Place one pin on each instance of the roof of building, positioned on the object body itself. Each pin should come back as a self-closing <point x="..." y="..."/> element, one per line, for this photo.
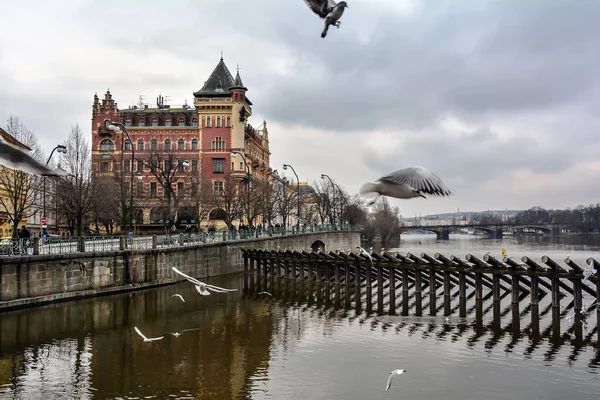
<point x="8" y="138"/>
<point x="220" y="82"/>
<point x="155" y="110"/>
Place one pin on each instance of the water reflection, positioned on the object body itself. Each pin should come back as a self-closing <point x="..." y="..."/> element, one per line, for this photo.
<point x="308" y="341"/>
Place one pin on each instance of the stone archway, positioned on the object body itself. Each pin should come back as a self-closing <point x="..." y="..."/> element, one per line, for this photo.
<point x="317" y="246"/>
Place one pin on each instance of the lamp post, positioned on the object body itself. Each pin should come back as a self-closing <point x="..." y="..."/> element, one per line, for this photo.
<point x="323" y="176"/>
<point x="61" y="149"/>
<point x="248" y="175"/>
<point x="115" y="127"/>
<point x="169" y="184"/>
<point x="285" y="167"/>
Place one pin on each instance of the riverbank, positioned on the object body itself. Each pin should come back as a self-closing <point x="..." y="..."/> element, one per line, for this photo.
<point x="43" y="279"/>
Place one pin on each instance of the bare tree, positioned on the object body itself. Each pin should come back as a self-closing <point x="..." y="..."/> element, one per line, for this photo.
<point x="202" y="197"/>
<point x="252" y="198"/>
<point x="384" y="221"/>
<point x="167" y="170"/>
<point x="106" y="208"/>
<point x="75" y="193"/>
<point x="229" y="200"/>
<point x="22" y="190"/>
<point x="268" y="190"/>
<point x="285" y="201"/>
<point x="323" y="199"/>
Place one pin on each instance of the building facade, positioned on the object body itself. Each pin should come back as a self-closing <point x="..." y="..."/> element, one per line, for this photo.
<point x="171" y="148"/>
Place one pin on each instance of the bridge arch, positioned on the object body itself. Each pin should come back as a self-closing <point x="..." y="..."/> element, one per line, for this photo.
<point x="317" y="245"/>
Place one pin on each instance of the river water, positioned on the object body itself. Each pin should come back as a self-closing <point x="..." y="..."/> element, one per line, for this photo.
<point x="294" y="346"/>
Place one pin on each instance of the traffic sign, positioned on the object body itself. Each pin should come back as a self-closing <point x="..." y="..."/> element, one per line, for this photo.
<point x="44" y="220"/>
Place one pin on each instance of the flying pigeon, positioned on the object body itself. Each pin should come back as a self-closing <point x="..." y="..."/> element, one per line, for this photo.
<point x="13" y="157"/>
<point x="328" y="10"/>
<point x="407" y="183"/>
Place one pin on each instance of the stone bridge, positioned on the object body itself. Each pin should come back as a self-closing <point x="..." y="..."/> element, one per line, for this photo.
<point x="493" y="230"/>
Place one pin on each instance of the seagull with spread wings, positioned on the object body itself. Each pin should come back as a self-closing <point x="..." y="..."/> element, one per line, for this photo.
<point x="328" y="10"/>
<point x="13" y="157"/>
<point x="407" y="183"/>
<point x="201" y="287"/>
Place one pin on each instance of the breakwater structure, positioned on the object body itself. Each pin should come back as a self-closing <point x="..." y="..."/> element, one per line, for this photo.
<point x="390" y="276"/>
<point x="107" y="265"/>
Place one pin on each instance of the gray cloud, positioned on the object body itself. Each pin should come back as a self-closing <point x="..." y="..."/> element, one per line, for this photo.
<point x="522" y="75"/>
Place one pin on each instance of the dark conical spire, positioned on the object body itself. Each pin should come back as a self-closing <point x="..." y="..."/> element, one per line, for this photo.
<point x="219" y="80"/>
<point x="237" y="83"/>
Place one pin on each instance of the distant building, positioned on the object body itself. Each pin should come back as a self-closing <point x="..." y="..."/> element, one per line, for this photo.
<point x="6" y="226"/>
<point x="195" y="140"/>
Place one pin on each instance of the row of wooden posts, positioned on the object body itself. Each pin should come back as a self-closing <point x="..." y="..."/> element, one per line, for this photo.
<point x="354" y="268"/>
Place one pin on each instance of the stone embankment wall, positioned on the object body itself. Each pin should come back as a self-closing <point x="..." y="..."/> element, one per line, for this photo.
<point x="34" y="280"/>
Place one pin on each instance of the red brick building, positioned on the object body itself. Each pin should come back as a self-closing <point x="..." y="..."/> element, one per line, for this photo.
<point x="203" y="135"/>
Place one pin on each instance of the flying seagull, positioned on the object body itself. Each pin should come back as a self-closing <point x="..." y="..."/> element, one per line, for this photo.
<point x="180" y="296"/>
<point x="202" y="287"/>
<point x="328" y="10"/>
<point x="589" y="270"/>
<point x="407" y="183"/>
<point x="394" y="372"/>
<point x="144" y="336"/>
<point x="13" y="157"/>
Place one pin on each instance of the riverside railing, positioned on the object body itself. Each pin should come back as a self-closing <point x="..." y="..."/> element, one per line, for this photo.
<point x="75" y="244"/>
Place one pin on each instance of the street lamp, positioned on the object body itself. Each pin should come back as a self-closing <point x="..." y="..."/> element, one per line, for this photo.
<point x="61" y="149"/>
<point x="248" y="176"/>
<point x="323" y="176"/>
<point x="116" y="127"/>
<point x="285" y="167"/>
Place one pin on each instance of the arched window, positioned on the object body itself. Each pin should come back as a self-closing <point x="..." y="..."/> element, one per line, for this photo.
<point x="180" y="145"/>
<point x="218" y="122"/>
<point x="154" y="121"/>
<point x="140" y="144"/>
<point x="154" y="144"/>
<point x="181" y="122"/>
<point x="195" y="122"/>
<point x="107" y="145"/>
<point x="229" y="122"/>
<point x="167" y="144"/>
<point x="168" y="122"/>
<point x="208" y="124"/>
<point x="127" y="145"/>
<point x="194" y="144"/>
<point x="141" y="122"/>
<point x="128" y="122"/>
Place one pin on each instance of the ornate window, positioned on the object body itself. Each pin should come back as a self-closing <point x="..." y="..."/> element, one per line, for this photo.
<point x="107" y="145"/>
<point x="181" y="122"/>
<point x="154" y="122"/>
<point x="218" y="165"/>
<point x="128" y="122"/>
<point x="140" y="145"/>
<point x="141" y="122"/>
<point x="167" y="144"/>
<point x="218" y="143"/>
<point x="218" y="122"/>
<point x="195" y="122"/>
<point x="180" y="144"/>
<point x="208" y="122"/>
<point x="194" y="144"/>
<point x="127" y="145"/>
<point x="154" y="144"/>
<point x="168" y="122"/>
<point x="229" y="122"/>
<point x="218" y="187"/>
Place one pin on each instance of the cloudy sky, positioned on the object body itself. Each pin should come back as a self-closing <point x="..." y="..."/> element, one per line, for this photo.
<point x="499" y="98"/>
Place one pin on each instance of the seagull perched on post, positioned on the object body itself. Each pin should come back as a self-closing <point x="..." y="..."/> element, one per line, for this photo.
<point x="16" y="158"/>
<point x="407" y="183"/>
<point x="328" y="10"/>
